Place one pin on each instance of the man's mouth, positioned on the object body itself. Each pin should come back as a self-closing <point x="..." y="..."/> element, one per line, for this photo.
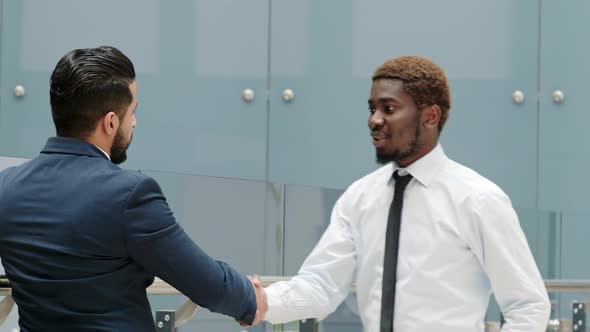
<point x="379" y="139"/>
<point x="377" y="136"/>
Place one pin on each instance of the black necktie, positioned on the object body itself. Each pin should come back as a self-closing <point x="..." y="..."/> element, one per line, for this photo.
<point x="391" y="250"/>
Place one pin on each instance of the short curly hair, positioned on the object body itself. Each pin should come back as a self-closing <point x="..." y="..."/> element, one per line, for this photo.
<point x="422" y="79"/>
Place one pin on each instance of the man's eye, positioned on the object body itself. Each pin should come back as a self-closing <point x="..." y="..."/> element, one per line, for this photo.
<point x="372" y="109"/>
<point x="389" y="109"/>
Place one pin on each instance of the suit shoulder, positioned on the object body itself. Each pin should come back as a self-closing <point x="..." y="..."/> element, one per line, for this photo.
<point x="6" y="172"/>
<point x="4" y="175"/>
<point x="132" y="178"/>
<point x="12" y="171"/>
<point x="135" y="180"/>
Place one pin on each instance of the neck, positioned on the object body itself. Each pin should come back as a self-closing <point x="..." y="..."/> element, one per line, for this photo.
<point x="100" y="142"/>
<point x="424" y="150"/>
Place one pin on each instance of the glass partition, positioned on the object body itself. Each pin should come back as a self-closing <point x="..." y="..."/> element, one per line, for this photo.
<point x="230" y="219"/>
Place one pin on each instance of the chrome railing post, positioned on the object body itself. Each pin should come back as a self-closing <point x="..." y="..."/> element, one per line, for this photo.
<point x="287" y="327"/>
<point x="578" y="316"/>
<point x="165" y="321"/>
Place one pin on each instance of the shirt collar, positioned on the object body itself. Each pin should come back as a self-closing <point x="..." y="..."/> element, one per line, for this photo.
<point x="101" y="150"/>
<point x="425" y="168"/>
<point x="69" y="145"/>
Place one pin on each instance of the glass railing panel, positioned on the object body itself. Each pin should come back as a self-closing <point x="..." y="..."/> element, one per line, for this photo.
<point x="227" y="218"/>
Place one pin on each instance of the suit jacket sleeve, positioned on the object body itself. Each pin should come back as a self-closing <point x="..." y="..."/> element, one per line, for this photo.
<point x="157" y="242"/>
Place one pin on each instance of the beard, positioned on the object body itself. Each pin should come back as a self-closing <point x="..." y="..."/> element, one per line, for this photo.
<point x="415" y="145"/>
<point x="119" y="148"/>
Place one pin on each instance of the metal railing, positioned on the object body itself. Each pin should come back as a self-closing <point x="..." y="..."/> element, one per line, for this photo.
<point x="170" y="320"/>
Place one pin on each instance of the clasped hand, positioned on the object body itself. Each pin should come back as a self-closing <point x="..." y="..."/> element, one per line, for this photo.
<point x="261" y="301"/>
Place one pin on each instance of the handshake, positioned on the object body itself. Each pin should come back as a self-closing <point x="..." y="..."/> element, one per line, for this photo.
<point x="261" y="301"/>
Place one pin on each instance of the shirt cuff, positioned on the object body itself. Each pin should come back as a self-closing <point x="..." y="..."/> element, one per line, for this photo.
<point x="273" y="296"/>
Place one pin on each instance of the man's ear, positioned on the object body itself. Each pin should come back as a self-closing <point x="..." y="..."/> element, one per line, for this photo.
<point x="431" y="116"/>
<point x="110" y="123"/>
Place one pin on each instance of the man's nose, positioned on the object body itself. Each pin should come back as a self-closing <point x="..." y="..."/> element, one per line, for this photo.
<point x="375" y="120"/>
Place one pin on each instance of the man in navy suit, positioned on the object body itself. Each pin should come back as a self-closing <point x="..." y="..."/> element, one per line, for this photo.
<point x="81" y="238"/>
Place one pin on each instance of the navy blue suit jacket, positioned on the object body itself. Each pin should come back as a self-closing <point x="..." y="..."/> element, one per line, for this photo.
<point x="81" y="239"/>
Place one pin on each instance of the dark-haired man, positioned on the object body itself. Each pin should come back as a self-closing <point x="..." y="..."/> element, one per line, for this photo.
<point x="425" y="239"/>
<point x="81" y="238"/>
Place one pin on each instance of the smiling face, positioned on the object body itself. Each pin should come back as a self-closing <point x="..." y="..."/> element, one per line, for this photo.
<point x="395" y="123"/>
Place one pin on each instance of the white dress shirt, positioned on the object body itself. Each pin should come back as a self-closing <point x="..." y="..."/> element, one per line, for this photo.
<point x="106" y="154"/>
<point x="460" y="239"/>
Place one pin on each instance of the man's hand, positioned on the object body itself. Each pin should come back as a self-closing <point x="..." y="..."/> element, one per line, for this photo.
<point x="261" y="301"/>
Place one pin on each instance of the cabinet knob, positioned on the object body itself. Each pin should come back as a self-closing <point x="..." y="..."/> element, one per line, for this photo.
<point x="288" y="95"/>
<point x="248" y="95"/>
<point x="19" y="91"/>
<point x="558" y="96"/>
<point x="518" y="97"/>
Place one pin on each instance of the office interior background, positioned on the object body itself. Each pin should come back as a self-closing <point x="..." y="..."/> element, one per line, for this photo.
<point x="253" y="113"/>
